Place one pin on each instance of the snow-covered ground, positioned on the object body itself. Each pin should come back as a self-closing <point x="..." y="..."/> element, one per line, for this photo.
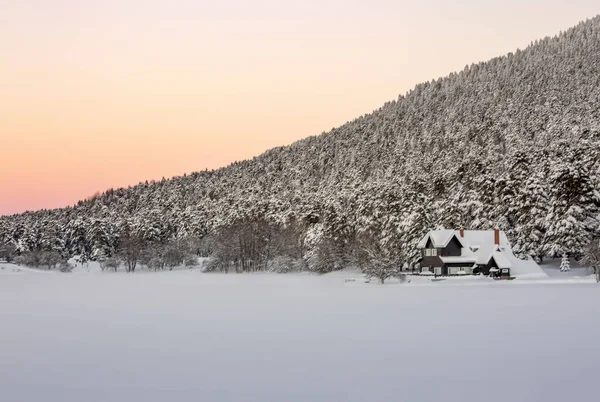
<point x="185" y="335"/>
<point x="552" y="268"/>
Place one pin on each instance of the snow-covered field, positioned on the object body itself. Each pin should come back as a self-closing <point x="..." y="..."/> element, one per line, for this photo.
<point x="189" y="336"/>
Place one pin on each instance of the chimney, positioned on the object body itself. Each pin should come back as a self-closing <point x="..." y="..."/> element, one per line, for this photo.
<point x="462" y="232"/>
<point x="497" y="237"/>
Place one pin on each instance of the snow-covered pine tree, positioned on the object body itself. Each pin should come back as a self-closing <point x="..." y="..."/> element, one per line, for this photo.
<point x="572" y="202"/>
<point x="565" y="265"/>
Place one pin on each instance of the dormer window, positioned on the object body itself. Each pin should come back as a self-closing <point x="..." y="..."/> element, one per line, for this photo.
<point x="431" y="252"/>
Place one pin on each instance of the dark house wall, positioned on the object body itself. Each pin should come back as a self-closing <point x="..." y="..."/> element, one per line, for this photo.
<point x="431" y="262"/>
<point x="493" y="264"/>
<point x="486" y="268"/>
<point x="453" y="248"/>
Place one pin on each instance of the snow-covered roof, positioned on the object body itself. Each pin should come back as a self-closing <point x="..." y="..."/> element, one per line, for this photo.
<point x="468" y="259"/>
<point x="502" y="259"/>
<point x="440" y="238"/>
<point x="478" y="246"/>
<point x="470" y="238"/>
<point x="526" y="268"/>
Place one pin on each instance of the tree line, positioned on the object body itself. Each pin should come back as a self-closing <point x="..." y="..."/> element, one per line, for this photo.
<point x="512" y="143"/>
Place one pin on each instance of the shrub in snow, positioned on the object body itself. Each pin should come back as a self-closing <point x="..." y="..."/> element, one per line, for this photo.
<point x="283" y="264"/>
<point x="35" y="259"/>
<point x="565" y="265"/>
<point x="173" y="256"/>
<point x="28" y="259"/>
<point x="50" y="259"/>
<point x="216" y="264"/>
<point x="110" y="263"/>
<point x="170" y="255"/>
<point x="191" y="261"/>
<point x="20" y="260"/>
<point x="65" y="267"/>
<point x="7" y="252"/>
<point x="156" y="263"/>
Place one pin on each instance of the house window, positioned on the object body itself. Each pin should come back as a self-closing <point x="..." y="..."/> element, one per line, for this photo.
<point x="431" y="252"/>
<point x="437" y="270"/>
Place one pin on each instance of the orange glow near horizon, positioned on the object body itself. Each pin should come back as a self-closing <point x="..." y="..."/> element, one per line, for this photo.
<point x="106" y="94"/>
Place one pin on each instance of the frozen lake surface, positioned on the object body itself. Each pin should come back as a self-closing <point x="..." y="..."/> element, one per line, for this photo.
<point x="188" y="336"/>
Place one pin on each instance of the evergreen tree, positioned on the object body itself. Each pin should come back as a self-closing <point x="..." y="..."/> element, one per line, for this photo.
<point x="565" y="265"/>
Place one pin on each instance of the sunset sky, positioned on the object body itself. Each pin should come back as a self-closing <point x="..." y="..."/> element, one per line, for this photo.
<point x="99" y="94"/>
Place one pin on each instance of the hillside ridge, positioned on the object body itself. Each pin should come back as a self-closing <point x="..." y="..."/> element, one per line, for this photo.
<point x="512" y="142"/>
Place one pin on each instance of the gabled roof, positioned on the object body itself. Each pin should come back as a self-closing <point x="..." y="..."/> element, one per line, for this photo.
<point x="471" y="238"/>
<point x="439" y="238"/>
<point x="502" y="259"/>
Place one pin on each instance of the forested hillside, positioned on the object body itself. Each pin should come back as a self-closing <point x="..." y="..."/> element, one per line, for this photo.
<point x="513" y="142"/>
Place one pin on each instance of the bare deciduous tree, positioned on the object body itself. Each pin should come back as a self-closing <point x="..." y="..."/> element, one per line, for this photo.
<point x="110" y="263"/>
<point x="591" y="256"/>
<point x="248" y="246"/>
<point x="130" y="249"/>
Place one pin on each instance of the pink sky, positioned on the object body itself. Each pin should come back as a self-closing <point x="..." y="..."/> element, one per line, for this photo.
<point x="99" y="94"/>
